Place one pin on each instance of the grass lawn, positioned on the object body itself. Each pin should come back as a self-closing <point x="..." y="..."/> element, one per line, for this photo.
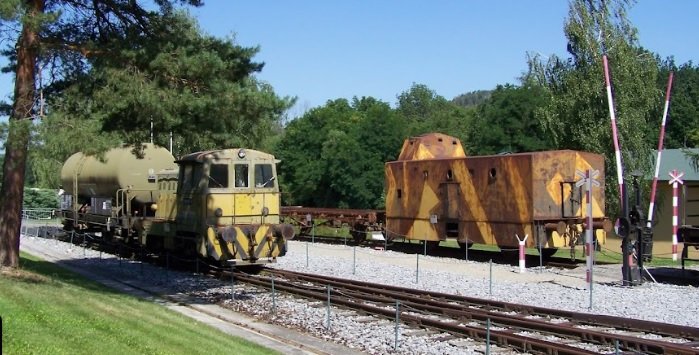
<point x="48" y="310"/>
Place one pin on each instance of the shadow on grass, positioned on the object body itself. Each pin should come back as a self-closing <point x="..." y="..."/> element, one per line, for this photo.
<point x="41" y="271"/>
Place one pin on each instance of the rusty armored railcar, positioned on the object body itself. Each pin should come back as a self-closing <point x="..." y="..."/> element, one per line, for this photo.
<point x="435" y="192"/>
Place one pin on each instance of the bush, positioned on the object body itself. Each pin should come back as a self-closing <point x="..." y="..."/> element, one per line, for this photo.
<point x="40" y="198"/>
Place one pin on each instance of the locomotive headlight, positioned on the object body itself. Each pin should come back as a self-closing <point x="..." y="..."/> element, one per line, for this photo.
<point x="241" y="153"/>
<point x="218" y="212"/>
<point x="154" y="207"/>
<point x="265" y="211"/>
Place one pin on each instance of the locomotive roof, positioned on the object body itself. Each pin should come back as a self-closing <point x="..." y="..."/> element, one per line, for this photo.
<point x="231" y="153"/>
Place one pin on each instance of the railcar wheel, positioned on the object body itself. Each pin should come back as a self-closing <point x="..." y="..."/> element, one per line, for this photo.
<point x="432" y="245"/>
<point x="358" y="233"/>
<point x="547" y="253"/>
<point x="463" y="245"/>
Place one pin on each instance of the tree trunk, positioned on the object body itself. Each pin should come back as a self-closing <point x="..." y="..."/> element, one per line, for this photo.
<point x="11" y="193"/>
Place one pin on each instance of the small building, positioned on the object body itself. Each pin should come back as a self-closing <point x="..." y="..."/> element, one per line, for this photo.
<point x="688" y="199"/>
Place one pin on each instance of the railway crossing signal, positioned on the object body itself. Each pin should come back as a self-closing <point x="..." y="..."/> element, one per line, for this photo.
<point x="675" y="181"/>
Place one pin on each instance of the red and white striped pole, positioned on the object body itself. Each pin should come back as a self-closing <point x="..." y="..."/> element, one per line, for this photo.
<point x="615" y="137"/>
<point x="588" y="179"/>
<point x="675" y="181"/>
<point x="522" y="266"/>
<point x="660" y="150"/>
<point x="589" y="254"/>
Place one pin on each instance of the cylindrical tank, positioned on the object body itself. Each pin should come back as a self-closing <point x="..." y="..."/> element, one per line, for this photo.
<point x="120" y="169"/>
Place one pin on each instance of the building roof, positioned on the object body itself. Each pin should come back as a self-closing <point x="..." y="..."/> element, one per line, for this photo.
<point x="672" y="159"/>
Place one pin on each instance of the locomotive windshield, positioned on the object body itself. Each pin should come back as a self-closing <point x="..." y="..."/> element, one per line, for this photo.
<point x="241" y="175"/>
<point x="218" y="176"/>
<point x="264" y="176"/>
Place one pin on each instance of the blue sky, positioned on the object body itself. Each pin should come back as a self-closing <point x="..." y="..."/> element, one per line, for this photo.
<point x="323" y="50"/>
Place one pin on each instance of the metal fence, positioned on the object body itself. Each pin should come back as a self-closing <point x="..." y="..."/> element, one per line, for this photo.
<point x="37" y="222"/>
<point x="37" y="214"/>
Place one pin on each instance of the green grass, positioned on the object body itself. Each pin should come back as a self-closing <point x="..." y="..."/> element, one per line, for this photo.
<point x="48" y="310"/>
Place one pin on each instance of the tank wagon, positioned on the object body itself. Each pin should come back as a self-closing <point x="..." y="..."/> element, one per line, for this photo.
<point x="435" y="192"/>
<point x="220" y="204"/>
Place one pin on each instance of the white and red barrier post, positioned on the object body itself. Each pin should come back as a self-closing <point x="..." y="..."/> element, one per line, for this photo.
<point x="660" y="150"/>
<point x="588" y="180"/>
<point x="615" y="136"/>
<point x="522" y="265"/>
<point x="675" y="182"/>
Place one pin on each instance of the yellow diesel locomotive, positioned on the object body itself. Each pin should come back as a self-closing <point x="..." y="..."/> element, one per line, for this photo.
<point x="221" y="204"/>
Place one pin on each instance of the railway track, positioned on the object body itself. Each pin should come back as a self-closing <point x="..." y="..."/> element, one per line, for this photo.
<point x="522" y="328"/>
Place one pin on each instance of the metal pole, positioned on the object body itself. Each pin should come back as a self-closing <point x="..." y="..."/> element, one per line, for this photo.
<point x="167" y="266"/>
<point x="306" y="254"/>
<point x="424" y="247"/>
<point x="328" y="323"/>
<point x="232" y="283"/>
<point x="395" y="346"/>
<point x="466" y="250"/>
<point x="617" y="150"/>
<point x="490" y="286"/>
<point x="588" y="232"/>
<point x="487" y="337"/>
<point x="313" y="232"/>
<point x="538" y="239"/>
<point x="354" y="260"/>
<point x="417" y="268"/>
<point x="654" y="185"/>
<point x="274" y="297"/>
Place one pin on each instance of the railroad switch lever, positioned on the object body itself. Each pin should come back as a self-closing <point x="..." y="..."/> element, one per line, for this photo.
<point x="632" y="231"/>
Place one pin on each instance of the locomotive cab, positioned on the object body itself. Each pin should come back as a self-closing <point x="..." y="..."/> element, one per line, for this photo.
<point x="226" y="205"/>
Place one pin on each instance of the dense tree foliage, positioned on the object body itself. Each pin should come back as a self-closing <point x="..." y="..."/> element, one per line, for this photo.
<point x="40" y="198"/>
<point x="682" y="126"/>
<point x="507" y="122"/>
<point x="577" y="116"/>
<point x="333" y="155"/>
<point x="54" y="37"/>
<point x="198" y="87"/>
<point x="472" y="98"/>
<point x="423" y="111"/>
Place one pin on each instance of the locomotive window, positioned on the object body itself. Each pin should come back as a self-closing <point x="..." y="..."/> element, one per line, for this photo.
<point x="197" y="174"/>
<point x="186" y="177"/>
<point x="218" y="176"/>
<point x="400" y="193"/>
<point x="241" y="175"/>
<point x="263" y="175"/>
